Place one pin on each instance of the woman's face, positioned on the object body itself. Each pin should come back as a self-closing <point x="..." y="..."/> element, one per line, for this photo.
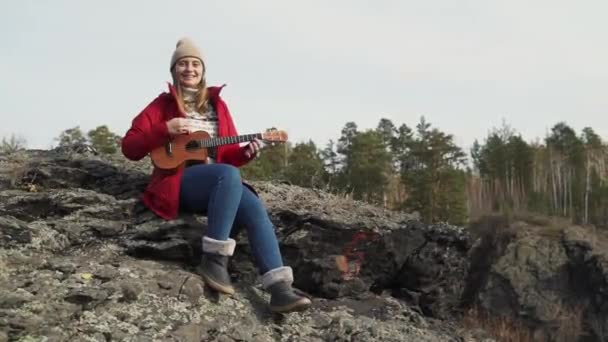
<point x="189" y="72"/>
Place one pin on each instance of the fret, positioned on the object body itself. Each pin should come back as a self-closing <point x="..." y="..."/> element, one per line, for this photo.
<point x="218" y="141"/>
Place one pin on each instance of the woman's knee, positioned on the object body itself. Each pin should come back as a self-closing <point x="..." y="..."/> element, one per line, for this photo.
<point x="229" y="174"/>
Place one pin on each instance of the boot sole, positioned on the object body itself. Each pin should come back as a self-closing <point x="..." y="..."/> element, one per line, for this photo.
<point x="219" y="287"/>
<point x="299" y="305"/>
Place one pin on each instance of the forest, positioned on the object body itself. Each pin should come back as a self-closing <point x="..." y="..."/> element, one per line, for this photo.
<point x="420" y="169"/>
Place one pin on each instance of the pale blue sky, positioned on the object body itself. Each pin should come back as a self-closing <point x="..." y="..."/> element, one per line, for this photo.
<point x="310" y="66"/>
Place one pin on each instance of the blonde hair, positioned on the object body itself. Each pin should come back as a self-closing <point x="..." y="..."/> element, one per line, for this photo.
<point x="201" y="103"/>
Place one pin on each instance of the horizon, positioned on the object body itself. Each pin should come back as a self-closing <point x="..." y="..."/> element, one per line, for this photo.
<point x="481" y="140"/>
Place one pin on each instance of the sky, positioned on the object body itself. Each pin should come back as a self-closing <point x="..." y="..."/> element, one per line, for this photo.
<point x="308" y="67"/>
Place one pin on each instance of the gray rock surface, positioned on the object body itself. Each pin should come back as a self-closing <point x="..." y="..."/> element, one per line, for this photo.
<point x="551" y="276"/>
<point x="82" y="260"/>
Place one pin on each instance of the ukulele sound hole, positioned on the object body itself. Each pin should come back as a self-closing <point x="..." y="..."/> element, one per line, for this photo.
<point x="192" y="145"/>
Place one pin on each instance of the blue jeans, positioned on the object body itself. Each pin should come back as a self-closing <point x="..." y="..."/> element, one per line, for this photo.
<point x="217" y="191"/>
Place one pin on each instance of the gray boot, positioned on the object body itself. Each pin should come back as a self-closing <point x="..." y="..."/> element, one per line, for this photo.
<point x="214" y="264"/>
<point x="283" y="297"/>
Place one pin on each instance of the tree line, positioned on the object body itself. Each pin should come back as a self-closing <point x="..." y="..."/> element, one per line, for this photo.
<point x="421" y="169"/>
<point x="415" y="169"/>
<point x="563" y="175"/>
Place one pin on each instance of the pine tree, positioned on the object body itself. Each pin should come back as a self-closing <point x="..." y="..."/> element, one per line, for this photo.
<point x="305" y="166"/>
<point x="367" y="166"/>
<point x="432" y="176"/>
<point x="270" y="165"/>
<point x="71" y="137"/>
<point x="344" y="149"/>
<point x="103" y="140"/>
<point x="331" y="164"/>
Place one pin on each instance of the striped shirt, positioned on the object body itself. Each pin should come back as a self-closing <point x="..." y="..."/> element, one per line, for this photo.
<point x="196" y="121"/>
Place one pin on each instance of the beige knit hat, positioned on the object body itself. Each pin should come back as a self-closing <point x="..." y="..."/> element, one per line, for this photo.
<point x="185" y="48"/>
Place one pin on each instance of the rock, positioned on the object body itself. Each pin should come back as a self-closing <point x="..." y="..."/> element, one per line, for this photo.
<point x="88" y="297"/>
<point x="192" y="288"/>
<point x="130" y="292"/>
<point x="374" y="274"/>
<point x="191" y="332"/>
<point x="336" y="260"/>
<point x="106" y="273"/>
<point x="13" y="232"/>
<point x="14" y="299"/>
<point x="62" y="265"/>
<point x="165" y="285"/>
<point x="546" y="278"/>
<point x="23" y="322"/>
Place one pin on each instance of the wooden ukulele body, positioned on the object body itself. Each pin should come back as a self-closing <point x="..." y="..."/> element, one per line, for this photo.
<point x="193" y="146"/>
<point x="174" y="153"/>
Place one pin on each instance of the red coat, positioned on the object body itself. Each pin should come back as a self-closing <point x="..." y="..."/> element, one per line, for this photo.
<point x="149" y="130"/>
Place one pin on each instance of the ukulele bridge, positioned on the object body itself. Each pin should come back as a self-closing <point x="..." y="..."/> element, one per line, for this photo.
<point x="169" y="148"/>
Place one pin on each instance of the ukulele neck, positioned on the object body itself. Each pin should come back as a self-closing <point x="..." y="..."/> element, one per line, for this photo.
<point x="219" y="141"/>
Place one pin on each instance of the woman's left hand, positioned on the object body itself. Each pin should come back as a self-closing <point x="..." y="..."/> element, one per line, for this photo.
<point x="253" y="149"/>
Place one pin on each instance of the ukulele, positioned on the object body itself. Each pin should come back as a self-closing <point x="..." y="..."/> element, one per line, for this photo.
<point x="193" y="146"/>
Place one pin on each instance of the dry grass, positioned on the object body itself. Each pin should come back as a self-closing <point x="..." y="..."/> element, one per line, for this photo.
<point x="569" y="320"/>
<point x="14" y="167"/>
<point x="597" y="324"/>
<point x="567" y="326"/>
<point x="503" y="329"/>
<point x="542" y="225"/>
<point x="531" y="218"/>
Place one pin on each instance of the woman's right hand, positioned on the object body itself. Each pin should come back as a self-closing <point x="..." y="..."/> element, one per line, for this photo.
<point x="177" y="126"/>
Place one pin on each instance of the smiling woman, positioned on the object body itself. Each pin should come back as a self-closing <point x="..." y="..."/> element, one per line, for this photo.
<point x="189" y="71"/>
<point x="213" y="187"/>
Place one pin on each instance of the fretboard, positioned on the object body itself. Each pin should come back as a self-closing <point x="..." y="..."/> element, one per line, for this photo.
<point x="214" y="142"/>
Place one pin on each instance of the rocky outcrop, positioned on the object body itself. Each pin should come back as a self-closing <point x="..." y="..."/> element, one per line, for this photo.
<point x="550" y="275"/>
<point x="82" y="259"/>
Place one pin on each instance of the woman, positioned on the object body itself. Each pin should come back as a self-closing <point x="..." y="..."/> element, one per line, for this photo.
<point x="214" y="188"/>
